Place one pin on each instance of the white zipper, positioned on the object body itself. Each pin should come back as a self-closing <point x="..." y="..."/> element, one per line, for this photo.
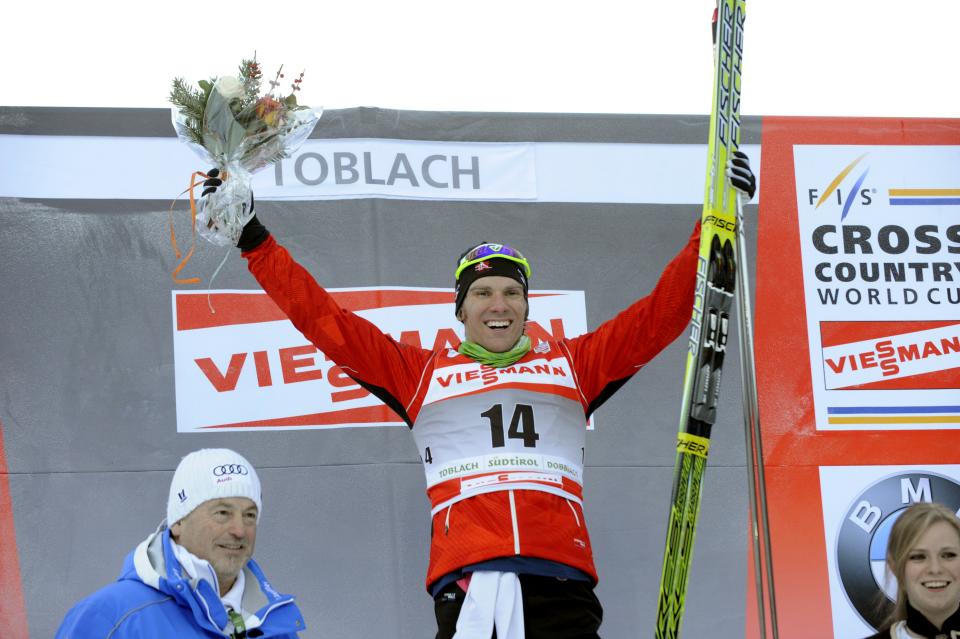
<point x="516" y="529"/>
<point x="574" y="511"/>
<point x="446" y="523"/>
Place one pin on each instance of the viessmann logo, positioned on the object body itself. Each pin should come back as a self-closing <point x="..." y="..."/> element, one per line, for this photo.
<point x="247" y="367"/>
<point x="873" y="354"/>
<point x="862" y="541"/>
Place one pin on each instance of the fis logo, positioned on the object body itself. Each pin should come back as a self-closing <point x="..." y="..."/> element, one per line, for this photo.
<point x="862" y="541"/>
<point x="846" y="199"/>
<point x="845" y="191"/>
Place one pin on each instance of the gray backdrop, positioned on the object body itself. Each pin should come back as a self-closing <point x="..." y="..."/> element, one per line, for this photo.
<point x="87" y="389"/>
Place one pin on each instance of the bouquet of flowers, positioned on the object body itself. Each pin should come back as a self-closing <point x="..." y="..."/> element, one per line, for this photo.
<point x="234" y="127"/>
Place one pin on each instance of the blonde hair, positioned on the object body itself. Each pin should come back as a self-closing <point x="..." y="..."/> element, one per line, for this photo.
<point x="910" y="525"/>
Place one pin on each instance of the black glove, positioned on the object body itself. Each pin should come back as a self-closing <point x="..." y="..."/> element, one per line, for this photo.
<point x="212" y="182"/>
<point x="741" y="177"/>
<point x="254" y="233"/>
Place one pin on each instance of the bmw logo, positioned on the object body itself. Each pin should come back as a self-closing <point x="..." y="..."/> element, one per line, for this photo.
<point x="862" y="540"/>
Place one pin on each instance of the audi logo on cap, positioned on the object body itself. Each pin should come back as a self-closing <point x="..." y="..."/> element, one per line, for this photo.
<point x="229" y="469"/>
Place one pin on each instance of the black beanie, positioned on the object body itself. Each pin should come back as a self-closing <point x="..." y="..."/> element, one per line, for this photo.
<point x="491" y="266"/>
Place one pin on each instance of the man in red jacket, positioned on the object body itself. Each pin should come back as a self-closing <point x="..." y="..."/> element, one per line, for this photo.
<point x="499" y="424"/>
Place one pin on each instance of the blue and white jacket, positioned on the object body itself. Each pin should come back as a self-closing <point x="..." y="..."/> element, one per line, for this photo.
<point x="154" y="598"/>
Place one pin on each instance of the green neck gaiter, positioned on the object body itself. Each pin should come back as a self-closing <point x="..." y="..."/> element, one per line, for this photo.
<point x="496" y="360"/>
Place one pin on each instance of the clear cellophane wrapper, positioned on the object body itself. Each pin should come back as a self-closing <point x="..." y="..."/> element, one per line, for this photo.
<point x="239" y="144"/>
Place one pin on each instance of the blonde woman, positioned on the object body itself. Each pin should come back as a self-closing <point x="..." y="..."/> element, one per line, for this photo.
<point x="923" y="554"/>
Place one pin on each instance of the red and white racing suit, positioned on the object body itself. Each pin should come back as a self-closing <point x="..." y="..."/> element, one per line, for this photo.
<point x="502" y="448"/>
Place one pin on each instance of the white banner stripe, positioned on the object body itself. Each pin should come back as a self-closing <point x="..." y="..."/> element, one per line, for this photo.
<point x="85" y="167"/>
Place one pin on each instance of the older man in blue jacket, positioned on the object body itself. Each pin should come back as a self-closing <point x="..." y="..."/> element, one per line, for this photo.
<point x="196" y="577"/>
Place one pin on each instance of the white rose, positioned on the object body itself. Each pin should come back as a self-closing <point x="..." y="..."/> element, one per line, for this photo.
<point x="229" y="87"/>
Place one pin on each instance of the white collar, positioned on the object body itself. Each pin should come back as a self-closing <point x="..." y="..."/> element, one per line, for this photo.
<point x="200" y="570"/>
<point x="234" y="597"/>
<point x="899" y="630"/>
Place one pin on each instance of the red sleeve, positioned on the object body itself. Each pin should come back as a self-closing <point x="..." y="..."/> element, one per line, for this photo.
<point x="622" y="345"/>
<point x="361" y="349"/>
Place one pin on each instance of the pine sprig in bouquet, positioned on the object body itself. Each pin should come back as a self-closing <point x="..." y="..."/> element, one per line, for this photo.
<point x="238" y="129"/>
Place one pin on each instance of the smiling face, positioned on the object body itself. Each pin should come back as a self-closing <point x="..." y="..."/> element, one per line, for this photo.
<point x="222" y="531"/>
<point x="932" y="573"/>
<point x="493" y="313"/>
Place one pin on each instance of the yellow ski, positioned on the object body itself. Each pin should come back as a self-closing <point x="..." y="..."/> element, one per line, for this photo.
<point x="716" y="276"/>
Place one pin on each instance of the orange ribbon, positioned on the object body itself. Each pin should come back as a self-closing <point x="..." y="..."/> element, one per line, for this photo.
<point x="196" y="179"/>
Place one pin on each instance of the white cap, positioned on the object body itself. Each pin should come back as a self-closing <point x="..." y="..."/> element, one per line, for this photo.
<point x="211" y="473"/>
